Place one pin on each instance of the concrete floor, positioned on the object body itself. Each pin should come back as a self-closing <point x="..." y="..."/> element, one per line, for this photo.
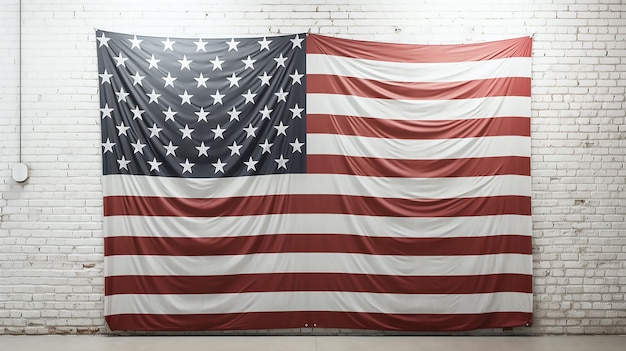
<point x="311" y="343"/>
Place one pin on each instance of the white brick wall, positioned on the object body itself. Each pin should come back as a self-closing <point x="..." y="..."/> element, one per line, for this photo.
<point x="50" y="227"/>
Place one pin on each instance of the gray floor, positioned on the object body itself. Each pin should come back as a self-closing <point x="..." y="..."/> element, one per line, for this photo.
<point x="311" y="343"/>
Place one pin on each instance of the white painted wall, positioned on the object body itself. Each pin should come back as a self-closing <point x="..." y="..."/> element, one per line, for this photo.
<point x="51" y="251"/>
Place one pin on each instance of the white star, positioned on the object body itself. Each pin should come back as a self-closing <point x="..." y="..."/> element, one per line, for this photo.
<point x="234" y="80"/>
<point x="250" y="131"/>
<point x="108" y="146"/>
<point x="169" y="80"/>
<point x="266" y="147"/>
<point x="251" y="164"/>
<point x="280" y="60"/>
<point x="249" y="97"/>
<point x="154" y="130"/>
<point x="135" y="42"/>
<point x="202" y="149"/>
<point x="249" y="63"/>
<point x="265" y="44"/>
<point x="120" y="60"/>
<point x="201" y="80"/>
<point x="282" y="95"/>
<point x="184" y="63"/>
<point x="154" y="164"/>
<point x="202" y="114"/>
<point x="171" y="149"/>
<point x="296" y="78"/>
<point x="168" y="44"/>
<point x="169" y="114"/>
<point x="217" y="63"/>
<point x="121" y="129"/>
<point x="137" y="113"/>
<point x="186" y="98"/>
<point x="265" y="79"/>
<point x="153" y="62"/>
<point x="217" y="97"/>
<point x="106" y="111"/>
<point x="232" y="44"/>
<point x="121" y="95"/>
<point x="187" y="166"/>
<point x="104" y="41"/>
<point x="266" y="113"/>
<point x="234" y="149"/>
<point x="106" y="77"/>
<point x="219" y="132"/>
<point x="282" y="162"/>
<point x="154" y="97"/>
<point x="219" y="166"/>
<point x="123" y="163"/>
<point x="296" y="42"/>
<point x="297" y="146"/>
<point x="186" y="132"/>
<point x="200" y="45"/>
<point x="296" y="111"/>
<point x="234" y="114"/>
<point x="138" y="146"/>
<point x="282" y="129"/>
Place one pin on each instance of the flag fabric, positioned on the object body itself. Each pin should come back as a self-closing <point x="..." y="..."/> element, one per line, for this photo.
<point x="305" y="181"/>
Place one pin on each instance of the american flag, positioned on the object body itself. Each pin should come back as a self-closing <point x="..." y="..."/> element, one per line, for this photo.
<point x="305" y="181"/>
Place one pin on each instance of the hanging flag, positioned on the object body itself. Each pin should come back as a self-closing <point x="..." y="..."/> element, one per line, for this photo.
<point x="309" y="181"/>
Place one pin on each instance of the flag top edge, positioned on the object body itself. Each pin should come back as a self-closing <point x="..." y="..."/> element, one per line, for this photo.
<point x="419" y="53"/>
<point x="103" y="31"/>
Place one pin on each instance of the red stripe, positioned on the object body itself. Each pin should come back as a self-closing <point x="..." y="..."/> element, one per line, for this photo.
<point x="344" y="243"/>
<point x="380" y="167"/>
<point x="314" y="203"/>
<point x="342" y="85"/>
<point x="254" y="283"/>
<point x="415" y="130"/>
<point x="413" y="53"/>
<point x="311" y="319"/>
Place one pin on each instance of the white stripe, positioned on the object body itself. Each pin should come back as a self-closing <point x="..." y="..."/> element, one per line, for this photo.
<point x="318" y="262"/>
<point x="349" y="145"/>
<point x="195" y="227"/>
<point x="414" y="188"/>
<point x="418" y="72"/>
<point x="418" y="109"/>
<point x="340" y="301"/>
